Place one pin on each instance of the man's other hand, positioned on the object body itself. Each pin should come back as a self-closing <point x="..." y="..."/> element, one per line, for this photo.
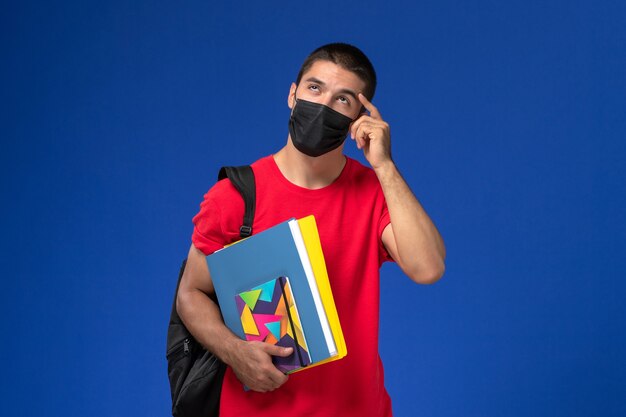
<point x="252" y="364"/>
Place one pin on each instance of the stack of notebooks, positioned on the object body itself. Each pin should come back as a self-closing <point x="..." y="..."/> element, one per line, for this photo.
<point x="273" y="287"/>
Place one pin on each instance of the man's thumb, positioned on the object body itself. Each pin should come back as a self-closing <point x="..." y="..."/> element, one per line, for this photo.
<point x="279" y="351"/>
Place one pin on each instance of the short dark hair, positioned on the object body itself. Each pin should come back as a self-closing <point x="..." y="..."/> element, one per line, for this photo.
<point x="348" y="57"/>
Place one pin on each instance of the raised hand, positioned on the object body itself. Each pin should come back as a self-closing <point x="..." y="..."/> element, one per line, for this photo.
<point x="371" y="134"/>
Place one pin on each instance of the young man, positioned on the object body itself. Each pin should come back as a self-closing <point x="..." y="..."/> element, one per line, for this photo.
<point x="365" y="216"/>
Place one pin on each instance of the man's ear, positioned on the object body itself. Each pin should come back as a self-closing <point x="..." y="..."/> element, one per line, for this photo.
<point x="291" y="99"/>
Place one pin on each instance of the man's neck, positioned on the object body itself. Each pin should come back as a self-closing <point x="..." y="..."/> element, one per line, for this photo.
<point x="309" y="172"/>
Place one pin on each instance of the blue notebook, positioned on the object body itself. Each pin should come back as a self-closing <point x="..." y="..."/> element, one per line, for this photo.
<point x="261" y="258"/>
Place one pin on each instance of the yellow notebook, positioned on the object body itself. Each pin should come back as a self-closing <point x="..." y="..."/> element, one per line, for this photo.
<point x="308" y="228"/>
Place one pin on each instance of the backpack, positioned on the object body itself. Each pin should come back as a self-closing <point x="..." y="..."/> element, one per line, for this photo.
<point x="195" y="374"/>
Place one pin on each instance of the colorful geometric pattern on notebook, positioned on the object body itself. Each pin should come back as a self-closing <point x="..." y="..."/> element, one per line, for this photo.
<point x="268" y="314"/>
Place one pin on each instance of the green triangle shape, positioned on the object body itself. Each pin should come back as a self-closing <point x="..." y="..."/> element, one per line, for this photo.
<point x="250" y="298"/>
<point x="267" y="290"/>
<point x="274" y="327"/>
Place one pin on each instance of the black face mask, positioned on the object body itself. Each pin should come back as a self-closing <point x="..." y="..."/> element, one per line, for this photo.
<point x="316" y="129"/>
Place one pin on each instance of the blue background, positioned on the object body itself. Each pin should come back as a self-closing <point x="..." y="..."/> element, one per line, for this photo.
<point x="508" y="120"/>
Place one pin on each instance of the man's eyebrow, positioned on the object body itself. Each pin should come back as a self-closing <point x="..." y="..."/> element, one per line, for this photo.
<point x="315" y="80"/>
<point x="342" y="91"/>
<point x="348" y="92"/>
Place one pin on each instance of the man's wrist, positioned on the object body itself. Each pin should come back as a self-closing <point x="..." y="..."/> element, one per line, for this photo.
<point x="228" y="349"/>
<point x="385" y="169"/>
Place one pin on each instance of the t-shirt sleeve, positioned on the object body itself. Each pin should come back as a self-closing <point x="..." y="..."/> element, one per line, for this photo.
<point x="385" y="220"/>
<point x="207" y="232"/>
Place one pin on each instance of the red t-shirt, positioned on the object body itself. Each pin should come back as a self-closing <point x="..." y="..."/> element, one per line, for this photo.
<point x="351" y="215"/>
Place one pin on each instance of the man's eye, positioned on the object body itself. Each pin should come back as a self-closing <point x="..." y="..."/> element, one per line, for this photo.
<point x="344" y="100"/>
<point x="314" y="88"/>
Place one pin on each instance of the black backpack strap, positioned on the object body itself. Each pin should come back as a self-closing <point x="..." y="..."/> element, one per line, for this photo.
<point x="176" y="331"/>
<point x="242" y="178"/>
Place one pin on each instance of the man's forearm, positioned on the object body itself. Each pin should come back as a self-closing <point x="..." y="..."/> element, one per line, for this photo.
<point x="420" y="248"/>
<point x="203" y="319"/>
